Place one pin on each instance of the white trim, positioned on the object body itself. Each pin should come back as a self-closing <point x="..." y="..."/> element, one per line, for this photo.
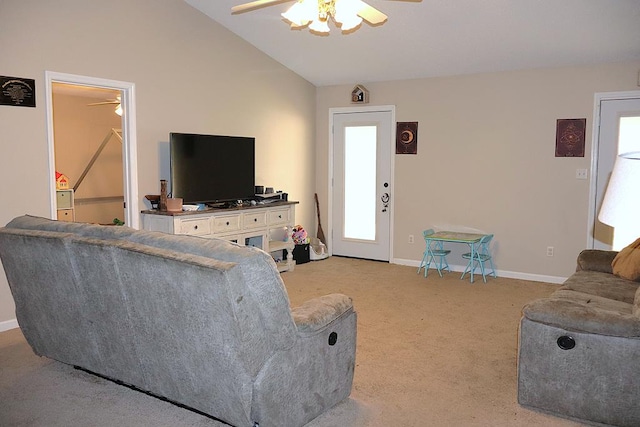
<point x="499" y="273"/>
<point x="129" y="140"/>
<point x="363" y="109"/>
<point x="595" y="143"/>
<point x="8" y="325"/>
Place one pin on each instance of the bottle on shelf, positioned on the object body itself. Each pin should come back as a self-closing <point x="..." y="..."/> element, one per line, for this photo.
<point x="163" y="195"/>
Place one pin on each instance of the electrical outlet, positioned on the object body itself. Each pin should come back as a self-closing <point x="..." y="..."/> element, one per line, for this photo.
<point x="581" y="174"/>
<point x="410" y="238"/>
<point x="549" y="250"/>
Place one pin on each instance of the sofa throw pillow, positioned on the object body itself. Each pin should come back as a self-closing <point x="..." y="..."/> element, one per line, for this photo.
<point x="627" y="263"/>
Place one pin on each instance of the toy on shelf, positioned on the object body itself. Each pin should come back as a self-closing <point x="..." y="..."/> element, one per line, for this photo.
<point x="62" y="182"/>
<point x="299" y="235"/>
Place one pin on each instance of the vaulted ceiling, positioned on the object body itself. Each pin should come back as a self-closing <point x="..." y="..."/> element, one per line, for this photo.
<point x="443" y="37"/>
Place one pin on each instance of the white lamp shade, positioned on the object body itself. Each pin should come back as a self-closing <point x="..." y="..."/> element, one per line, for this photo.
<point x="621" y="203"/>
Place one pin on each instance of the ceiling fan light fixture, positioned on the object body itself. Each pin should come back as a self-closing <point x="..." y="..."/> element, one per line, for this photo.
<point x="302" y="13"/>
<point x="347" y="9"/>
<point x="319" y="26"/>
<point x="316" y="14"/>
<point x="350" y="24"/>
<point x="346" y="13"/>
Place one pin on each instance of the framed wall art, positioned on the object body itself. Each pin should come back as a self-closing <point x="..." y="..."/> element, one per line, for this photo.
<point x="407" y="138"/>
<point x="17" y="91"/>
<point x="570" y="137"/>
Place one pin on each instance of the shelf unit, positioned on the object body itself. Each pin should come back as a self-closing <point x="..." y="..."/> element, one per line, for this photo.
<point x="265" y="226"/>
<point x="65" y="205"/>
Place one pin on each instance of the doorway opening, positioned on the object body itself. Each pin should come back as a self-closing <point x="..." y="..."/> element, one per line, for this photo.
<point x="92" y="144"/>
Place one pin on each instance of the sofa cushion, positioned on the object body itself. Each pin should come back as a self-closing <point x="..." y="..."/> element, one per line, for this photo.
<point x="580" y="312"/>
<point x="603" y="285"/>
<point x="627" y="263"/>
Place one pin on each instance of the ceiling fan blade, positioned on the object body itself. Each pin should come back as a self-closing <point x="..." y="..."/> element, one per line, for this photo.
<point x="371" y="14"/>
<point x="105" y="103"/>
<point x="255" y="5"/>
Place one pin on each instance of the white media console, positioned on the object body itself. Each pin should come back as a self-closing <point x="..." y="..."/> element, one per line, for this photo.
<point x="265" y="226"/>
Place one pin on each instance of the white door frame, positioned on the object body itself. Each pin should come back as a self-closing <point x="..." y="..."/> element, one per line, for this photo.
<point x="368" y="109"/>
<point x="129" y="141"/>
<point x="595" y="143"/>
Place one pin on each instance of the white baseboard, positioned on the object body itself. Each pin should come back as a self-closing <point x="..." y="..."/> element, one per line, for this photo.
<point x="500" y="273"/>
<point x="8" y="324"/>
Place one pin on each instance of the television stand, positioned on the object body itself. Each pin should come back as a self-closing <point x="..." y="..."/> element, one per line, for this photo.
<point x="263" y="226"/>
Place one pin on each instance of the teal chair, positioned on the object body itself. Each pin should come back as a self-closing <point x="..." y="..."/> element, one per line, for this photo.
<point x="433" y="250"/>
<point x="481" y="256"/>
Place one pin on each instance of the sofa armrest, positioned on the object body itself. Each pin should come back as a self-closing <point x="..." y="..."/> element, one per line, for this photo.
<point x="596" y="260"/>
<point x="316" y="313"/>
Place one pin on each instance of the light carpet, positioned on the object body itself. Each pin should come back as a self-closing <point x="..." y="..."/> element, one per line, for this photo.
<point x="430" y="352"/>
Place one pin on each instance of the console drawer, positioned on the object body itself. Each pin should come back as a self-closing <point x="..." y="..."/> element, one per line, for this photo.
<point x="195" y="227"/>
<point x="280" y="216"/>
<point x="223" y="224"/>
<point x="254" y="220"/>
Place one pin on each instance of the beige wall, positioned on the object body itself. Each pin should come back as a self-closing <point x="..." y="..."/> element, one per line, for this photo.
<point x="486" y="159"/>
<point x="191" y="75"/>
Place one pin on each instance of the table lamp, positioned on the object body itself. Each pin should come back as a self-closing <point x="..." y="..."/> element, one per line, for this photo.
<point x="621" y="204"/>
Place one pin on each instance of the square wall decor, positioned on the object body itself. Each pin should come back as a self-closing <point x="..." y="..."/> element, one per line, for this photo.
<point x="570" y="137"/>
<point x="17" y="91"/>
<point x="407" y="138"/>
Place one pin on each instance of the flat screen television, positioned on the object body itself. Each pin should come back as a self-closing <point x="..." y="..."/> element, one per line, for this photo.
<point x="212" y="168"/>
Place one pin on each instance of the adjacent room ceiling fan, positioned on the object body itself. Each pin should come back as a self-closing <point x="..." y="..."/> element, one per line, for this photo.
<point x="115" y="102"/>
<point x="348" y="14"/>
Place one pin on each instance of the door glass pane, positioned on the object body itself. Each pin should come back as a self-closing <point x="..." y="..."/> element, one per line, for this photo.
<point x="628" y="140"/>
<point x="360" y="182"/>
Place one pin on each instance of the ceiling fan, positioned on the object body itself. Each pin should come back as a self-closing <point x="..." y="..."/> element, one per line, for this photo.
<point x="116" y="101"/>
<point x="349" y="14"/>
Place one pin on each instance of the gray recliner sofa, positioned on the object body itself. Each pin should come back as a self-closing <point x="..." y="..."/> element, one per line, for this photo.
<point x="203" y="323"/>
<point x="579" y="349"/>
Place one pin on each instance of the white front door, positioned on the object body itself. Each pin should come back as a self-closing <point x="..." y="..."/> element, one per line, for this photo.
<point x="619" y="132"/>
<point x="362" y="197"/>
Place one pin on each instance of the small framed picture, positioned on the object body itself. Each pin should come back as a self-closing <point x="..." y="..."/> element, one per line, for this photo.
<point x="570" y="137"/>
<point x="17" y="91"/>
<point x="407" y="138"/>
